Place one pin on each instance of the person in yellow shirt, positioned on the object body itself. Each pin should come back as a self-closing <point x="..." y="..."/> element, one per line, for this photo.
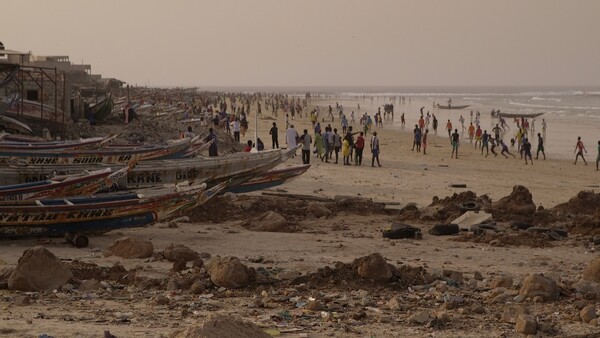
<point x="346" y="151"/>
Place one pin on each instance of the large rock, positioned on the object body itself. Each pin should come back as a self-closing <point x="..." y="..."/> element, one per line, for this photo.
<point x="526" y="325"/>
<point x="270" y="221"/>
<point x="179" y="252"/>
<point x="130" y="247"/>
<point x="592" y="271"/>
<point x="229" y="272"/>
<point x="537" y="285"/>
<point x="374" y="267"/>
<point x="220" y="326"/>
<point x="519" y="202"/>
<point x="39" y="270"/>
<point x="318" y="209"/>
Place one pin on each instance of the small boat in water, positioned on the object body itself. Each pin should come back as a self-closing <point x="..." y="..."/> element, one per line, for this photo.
<point x="452" y="107"/>
<point x="517" y="115"/>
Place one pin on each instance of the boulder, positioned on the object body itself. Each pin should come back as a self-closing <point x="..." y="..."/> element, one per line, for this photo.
<point x="221" y="326"/>
<point x="130" y="247"/>
<point x="318" y="209"/>
<point x="588" y="313"/>
<point x="422" y="317"/>
<point x="519" y="202"/>
<point x="592" y="271"/>
<point x="537" y="285"/>
<point x="179" y="252"/>
<point x="374" y="267"/>
<point x="526" y="325"/>
<point x="270" y="221"/>
<point x="501" y="281"/>
<point x="39" y="270"/>
<point x="229" y="272"/>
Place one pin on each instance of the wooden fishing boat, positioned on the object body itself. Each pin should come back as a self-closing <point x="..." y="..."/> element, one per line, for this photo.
<point x="84" y="184"/>
<point x="440" y="106"/>
<point x="93" y="215"/>
<point x="518" y="115"/>
<point x="89" y="143"/>
<point x="269" y="179"/>
<point x="92" y="156"/>
<point x="102" y="110"/>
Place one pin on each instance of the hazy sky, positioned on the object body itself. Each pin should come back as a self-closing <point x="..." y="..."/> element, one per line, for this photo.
<point x="316" y="42"/>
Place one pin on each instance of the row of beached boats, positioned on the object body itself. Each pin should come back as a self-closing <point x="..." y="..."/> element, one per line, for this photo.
<point x="54" y="188"/>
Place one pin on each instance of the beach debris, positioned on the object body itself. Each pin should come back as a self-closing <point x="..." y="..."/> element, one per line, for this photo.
<point x="444" y="229"/>
<point x="469" y="218"/>
<point x="220" y="326"/>
<point x="588" y="313"/>
<point x="22" y="300"/>
<point x="402" y="230"/>
<point x="318" y="210"/>
<point x="518" y="203"/>
<point x="229" y="272"/>
<point x="502" y="281"/>
<point x="458" y="185"/>
<point x="39" y="270"/>
<point x="130" y="247"/>
<point x="537" y="285"/>
<point x="89" y="285"/>
<point x="592" y="271"/>
<point x="421" y="317"/>
<point x="374" y="267"/>
<point x="180" y="252"/>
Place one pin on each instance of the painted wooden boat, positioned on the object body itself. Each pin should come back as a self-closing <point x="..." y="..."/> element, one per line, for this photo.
<point x="84" y="184"/>
<point x="269" y="179"/>
<point x="92" y="156"/>
<point x="441" y="106"/>
<point x="91" y="215"/>
<point x="102" y="110"/>
<point x="518" y="115"/>
<point x="88" y="143"/>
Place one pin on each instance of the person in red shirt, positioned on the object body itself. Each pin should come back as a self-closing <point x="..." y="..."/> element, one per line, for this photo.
<point x="478" y="134"/>
<point x="471" y="132"/>
<point x="248" y="146"/>
<point x="359" y="145"/>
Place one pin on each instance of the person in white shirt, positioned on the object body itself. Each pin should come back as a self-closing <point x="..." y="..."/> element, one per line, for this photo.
<point x="291" y="135"/>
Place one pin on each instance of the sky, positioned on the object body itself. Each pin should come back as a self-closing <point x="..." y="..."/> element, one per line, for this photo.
<point x="316" y="42"/>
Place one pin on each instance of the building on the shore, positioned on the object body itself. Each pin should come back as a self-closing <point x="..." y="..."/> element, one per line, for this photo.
<point x="51" y="87"/>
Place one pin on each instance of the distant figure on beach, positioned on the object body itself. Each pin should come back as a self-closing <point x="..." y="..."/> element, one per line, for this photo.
<point x="319" y="145"/>
<point x="375" y="149"/>
<point x="291" y="137"/>
<point x="259" y="144"/>
<point x="337" y="143"/>
<point x="274" y="135"/>
<point x="544" y="128"/>
<point x="478" y="136"/>
<point x="455" y="143"/>
<point x="189" y="133"/>
<point x="598" y="156"/>
<point x="540" y="147"/>
<point x="505" y="149"/>
<point x="496" y="131"/>
<point x="402" y="120"/>
<point x="306" y="141"/>
<point x="471" y="131"/>
<point x="461" y="119"/>
<point x="485" y="140"/>
<point x="212" y="137"/>
<point x="346" y="152"/>
<point x="579" y="148"/>
<point x="358" y="148"/>
<point x="236" y="129"/>
<point x="449" y="128"/>
<point x="493" y="148"/>
<point x="527" y="150"/>
<point x="435" y="124"/>
<point x="424" y="141"/>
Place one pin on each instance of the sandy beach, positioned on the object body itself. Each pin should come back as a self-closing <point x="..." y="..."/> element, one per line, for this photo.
<point x="437" y="276"/>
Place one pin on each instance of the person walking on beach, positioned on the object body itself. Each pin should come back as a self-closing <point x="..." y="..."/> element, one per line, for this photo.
<point x="402" y="120"/>
<point x="375" y="149"/>
<point x="274" y="137"/>
<point x="345" y="152"/>
<point x="485" y="140"/>
<point x="236" y="129"/>
<point x="337" y="144"/>
<point x="306" y="141"/>
<point x="291" y="137"/>
<point x="496" y="131"/>
<point x="579" y="148"/>
<point x="449" y="128"/>
<point x="461" y="119"/>
<point x="540" y="147"/>
<point x="598" y="156"/>
<point x="471" y="131"/>
<point x="212" y="149"/>
<point x="493" y="149"/>
<point x="478" y="135"/>
<point x="358" y="148"/>
<point x="455" y="143"/>
<point x="527" y="150"/>
<point x="424" y="141"/>
<point x="435" y="124"/>
<point x="544" y="128"/>
<point x="505" y="149"/>
<point x="319" y="145"/>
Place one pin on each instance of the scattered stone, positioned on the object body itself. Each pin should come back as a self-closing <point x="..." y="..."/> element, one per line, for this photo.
<point x="526" y="325"/>
<point x="220" y="326"/>
<point x="269" y="221"/>
<point x="130" y="247"/>
<point x="590" y="289"/>
<point x="511" y="313"/>
<point x="592" y="271"/>
<point x="318" y="209"/>
<point x="477" y="275"/>
<point x="67" y="287"/>
<point x="374" y="267"/>
<point x="197" y="288"/>
<point x="394" y="304"/>
<point x="22" y="300"/>
<point x="289" y="274"/>
<point x="314" y="306"/>
<point x="162" y="300"/>
<point x="478" y="308"/>
<point x="536" y="285"/>
<point x="89" y="285"/>
<point x="501" y="281"/>
<point x="229" y="272"/>
<point x="39" y="270"/>
<point x="180" y="252"/>
<point x="453" y="275"/>
<point x="588" y="313"/>
<point x="420" y="318"/>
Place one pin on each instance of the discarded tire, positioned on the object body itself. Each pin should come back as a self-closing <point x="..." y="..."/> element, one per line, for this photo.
<point x="402" y="230"/>
<point x="444" y="229"/>
<point x="469" y="206"/>
<point x="520" y="225"/>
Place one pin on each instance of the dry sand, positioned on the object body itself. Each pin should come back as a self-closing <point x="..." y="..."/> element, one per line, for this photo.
<point x="129" y="310"/>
